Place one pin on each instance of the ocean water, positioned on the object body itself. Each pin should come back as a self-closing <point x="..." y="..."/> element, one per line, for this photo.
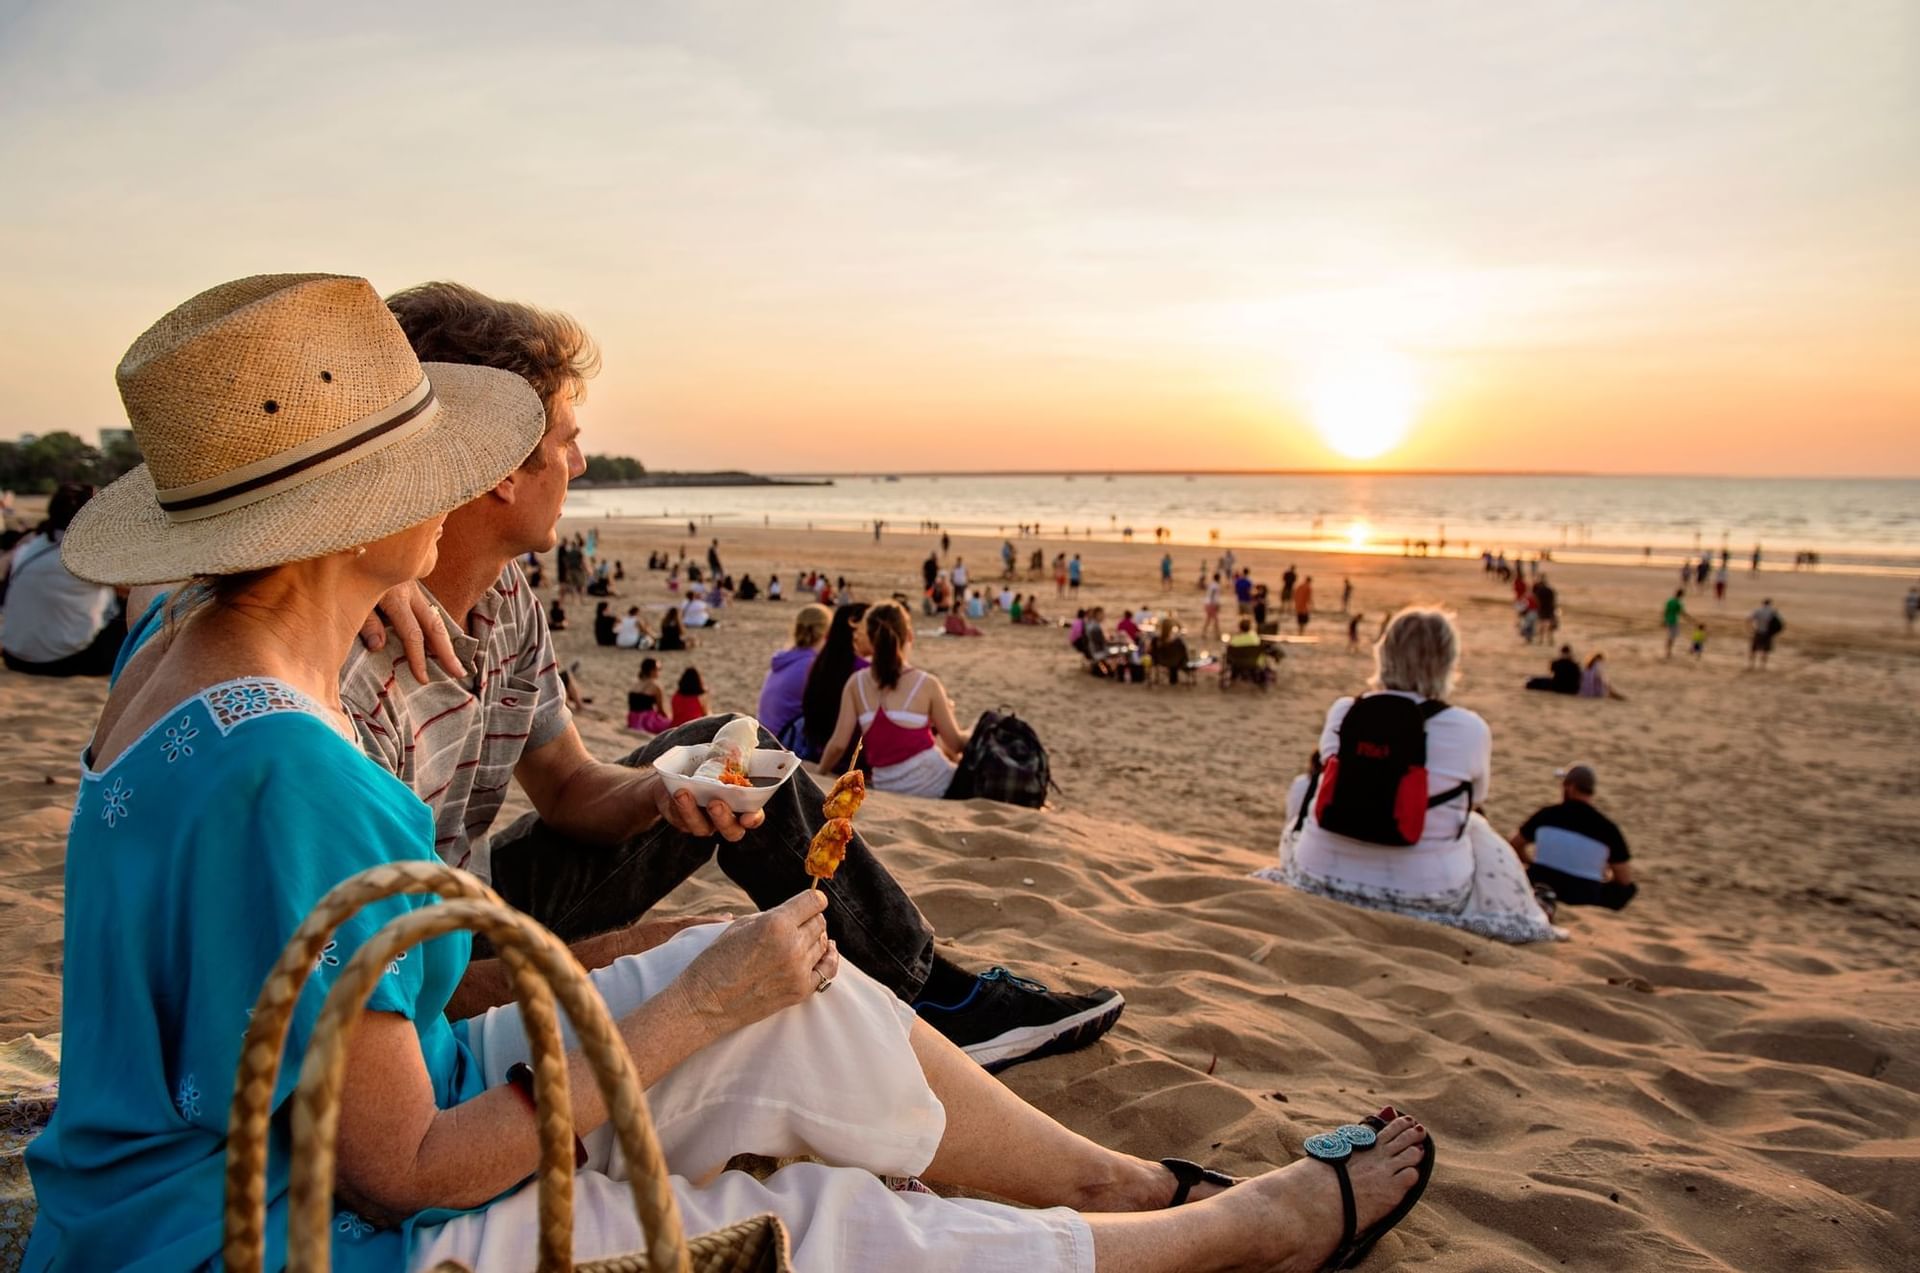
<point x="1854" y="524"/>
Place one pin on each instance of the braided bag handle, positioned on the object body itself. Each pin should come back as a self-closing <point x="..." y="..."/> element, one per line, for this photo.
<point x="534" y="958"/>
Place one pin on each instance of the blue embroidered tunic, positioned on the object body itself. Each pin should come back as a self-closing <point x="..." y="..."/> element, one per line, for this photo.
<point x="190" y="861"/>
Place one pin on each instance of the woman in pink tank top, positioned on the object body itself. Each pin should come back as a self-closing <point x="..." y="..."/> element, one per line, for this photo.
<point x="903" y="713"/>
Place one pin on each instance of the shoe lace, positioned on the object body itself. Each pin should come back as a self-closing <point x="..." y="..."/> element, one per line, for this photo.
<point x="1000" y="974"/>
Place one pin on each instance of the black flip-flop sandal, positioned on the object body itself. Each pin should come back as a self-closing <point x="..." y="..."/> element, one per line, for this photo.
<point x="1188" y="1174"/>
<point x="1334" y="1148"/>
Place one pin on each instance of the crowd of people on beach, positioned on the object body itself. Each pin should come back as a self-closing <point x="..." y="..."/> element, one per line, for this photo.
<point x="359" y="752"/>
<point x="366" y="742"/>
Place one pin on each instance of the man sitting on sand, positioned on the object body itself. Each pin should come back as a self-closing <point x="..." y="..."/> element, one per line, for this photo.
<point x="1576" y="850"/>
<point x="1563" y="675"/>
<point x="606" y="841"/>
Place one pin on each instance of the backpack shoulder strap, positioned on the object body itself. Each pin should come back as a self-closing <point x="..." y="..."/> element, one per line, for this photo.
<point x="1432" y="708"/>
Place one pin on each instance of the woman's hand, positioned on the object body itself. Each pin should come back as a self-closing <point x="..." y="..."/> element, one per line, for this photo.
<point x="416" y="621"/>
<point x="761" y="964"/>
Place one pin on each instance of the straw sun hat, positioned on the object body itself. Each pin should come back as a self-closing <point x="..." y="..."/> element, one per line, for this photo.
<point x="285" y="417"/>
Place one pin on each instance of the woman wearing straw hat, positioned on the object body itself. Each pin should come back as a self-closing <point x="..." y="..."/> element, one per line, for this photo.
<point x="299" y="464"/>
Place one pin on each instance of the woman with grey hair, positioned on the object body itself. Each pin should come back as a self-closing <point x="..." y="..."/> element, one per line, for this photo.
<point x="1388" y="818"/>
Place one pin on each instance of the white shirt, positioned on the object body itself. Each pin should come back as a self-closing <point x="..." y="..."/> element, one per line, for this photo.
<point x="695" y="615"/>
<point x="1213" y="592"/>
<point x="1459" y="749"/>
<point x="1006" y="599"/>
<point x="959" y="575"/>
<point x="626" y="633"/>
<point x="50" y="615"/>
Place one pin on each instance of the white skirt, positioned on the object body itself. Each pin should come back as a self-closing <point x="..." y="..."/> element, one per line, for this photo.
<point x="1497" y="901"/>
<point x="833" y="1078"/>
<point x="925" y="773"/>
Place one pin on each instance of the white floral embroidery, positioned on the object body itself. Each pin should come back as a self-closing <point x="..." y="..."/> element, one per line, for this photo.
<point x="328" y="958"/>
<point x="188" y="1098"/>
<point x="351" y="1225"/>
<point x="114" y="803"/>
<point x="180" y="740"/>
<point x="393" y="969"/>
<point x="244" y="700"/>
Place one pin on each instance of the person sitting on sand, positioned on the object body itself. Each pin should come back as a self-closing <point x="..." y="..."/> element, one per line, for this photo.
<point x="1594" y="682"/>
<point x="1245" y="636"/>
<point x="672" y="635"/>
<point x="1563" y="675"/>
<point x="748" y="589"/>
<point x="1346" y="837"/>
<point x="695" y="614"/>
<point x="1576" y="850"/>
<point x="561" y="865"/>
<point x="1030" y="612"/>
<point x="557" y="616"/>
<point x="774" y="592"/>
<point x="1127" y="628"/>
<point x="690" y="701"/>
<point x="631" y="632"/>
<point x="605" y="625"/>
<point x="904" y="715"/>
<point x="1170" y="651"/>
<point x="844" y="652"/>
<point x="727" y="1023"/>
<point x="55" y="624"/>
<point x="645" y="699"/>
<point x="782" y="693"/>
<point x="956" y="625"/>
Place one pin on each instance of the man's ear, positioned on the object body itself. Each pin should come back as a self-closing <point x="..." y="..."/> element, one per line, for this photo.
<point x="504" y="490"/>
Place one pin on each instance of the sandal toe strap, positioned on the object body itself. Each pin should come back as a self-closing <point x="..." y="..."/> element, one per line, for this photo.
<point x="1188" y="1174"/>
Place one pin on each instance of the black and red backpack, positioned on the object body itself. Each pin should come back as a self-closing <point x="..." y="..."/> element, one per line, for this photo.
<point x="1375" y="789"/>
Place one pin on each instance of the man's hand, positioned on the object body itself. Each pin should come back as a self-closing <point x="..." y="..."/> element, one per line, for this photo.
<point x="416" y="621"/>
<point x="682" y="813"/>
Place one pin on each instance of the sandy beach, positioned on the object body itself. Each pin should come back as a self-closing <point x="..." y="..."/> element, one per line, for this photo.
<point x="1723" y="1077"/>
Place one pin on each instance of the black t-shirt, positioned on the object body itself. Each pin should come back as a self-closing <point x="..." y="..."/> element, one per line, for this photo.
<point x="1581" y="819"/>
<point x="1565" y="674"/>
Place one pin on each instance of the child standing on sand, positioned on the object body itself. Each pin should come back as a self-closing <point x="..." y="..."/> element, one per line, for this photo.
<point x="1353" y="634"/>
<point x="1699" y="640"/>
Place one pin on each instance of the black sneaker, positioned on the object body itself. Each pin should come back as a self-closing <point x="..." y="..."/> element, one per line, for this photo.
<point x="1004" y="1020"/>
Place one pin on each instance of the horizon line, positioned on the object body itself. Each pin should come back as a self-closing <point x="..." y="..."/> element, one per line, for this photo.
<point x="1330" y="472"/>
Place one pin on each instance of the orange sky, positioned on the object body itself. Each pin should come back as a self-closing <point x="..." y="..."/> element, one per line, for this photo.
<point x="1626" y="238"/>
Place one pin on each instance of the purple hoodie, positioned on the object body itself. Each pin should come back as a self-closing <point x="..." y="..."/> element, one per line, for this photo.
<point x="785" y="686"/>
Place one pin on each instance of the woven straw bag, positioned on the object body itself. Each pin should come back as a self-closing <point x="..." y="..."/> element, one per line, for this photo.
<point x="542" y="970"/>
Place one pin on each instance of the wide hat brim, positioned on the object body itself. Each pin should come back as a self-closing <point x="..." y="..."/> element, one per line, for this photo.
<point x="488" y="422"/>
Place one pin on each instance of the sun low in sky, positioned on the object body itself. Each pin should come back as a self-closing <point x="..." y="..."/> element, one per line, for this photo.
<point x="1363" y="404"/>
<point x="1636" y="236"/>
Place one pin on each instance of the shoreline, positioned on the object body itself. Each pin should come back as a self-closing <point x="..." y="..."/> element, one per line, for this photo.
<point x="1877" y="566"/>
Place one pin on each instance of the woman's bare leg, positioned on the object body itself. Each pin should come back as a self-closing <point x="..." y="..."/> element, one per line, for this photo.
<point x="1285" y="1220"/>
<point x="997" y="1143"/>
